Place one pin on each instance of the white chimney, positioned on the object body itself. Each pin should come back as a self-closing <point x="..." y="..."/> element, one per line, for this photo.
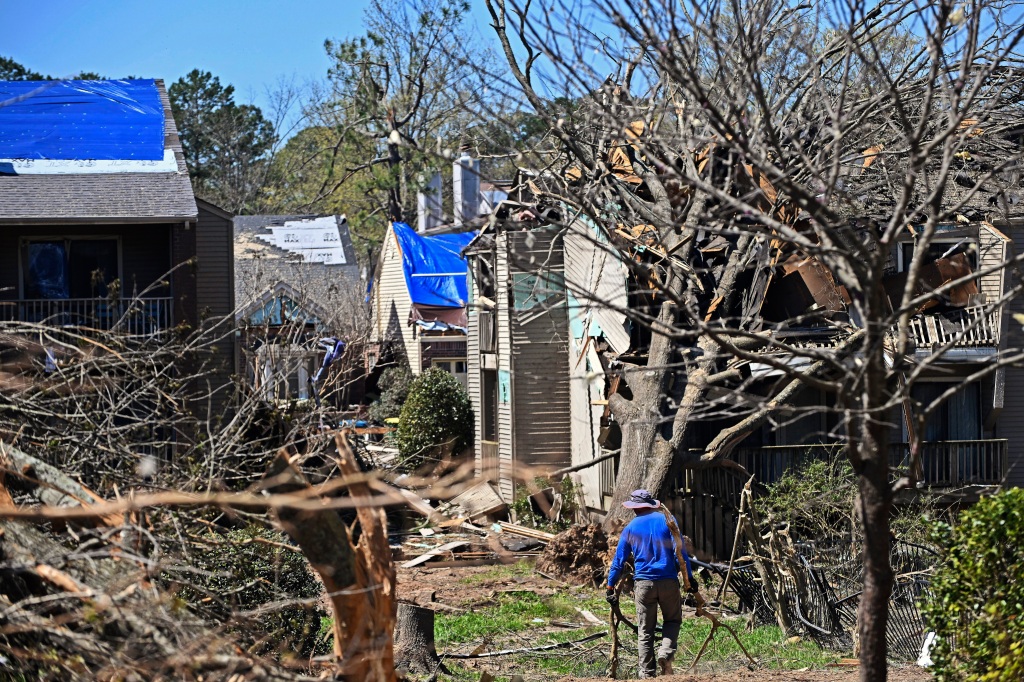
<point x="428" y="205"/>
<point x="466" y="178"/>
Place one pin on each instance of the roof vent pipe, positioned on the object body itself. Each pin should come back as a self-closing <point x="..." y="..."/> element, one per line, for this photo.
<point x="466" y="180"/>
<point x="428" y="205"/>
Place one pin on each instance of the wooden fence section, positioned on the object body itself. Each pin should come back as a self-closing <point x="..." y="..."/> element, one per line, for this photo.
<point x="945" y="464"/>
<point x="708" y="522"/>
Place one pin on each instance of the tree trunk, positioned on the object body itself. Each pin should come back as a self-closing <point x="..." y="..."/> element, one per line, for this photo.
<point x="876" y="503"/>
<point x="359" y="577"/>
<point x="414" y="642"/>
<point x="869" y="454"/>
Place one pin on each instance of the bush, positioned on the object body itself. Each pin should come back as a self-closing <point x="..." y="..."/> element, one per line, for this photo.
<point x="270" y="573"/>
<point x="436" y="419"/>
<point x="976" y="606"/>
<point x="394" y="385"/>
<point x="817" y="497"/>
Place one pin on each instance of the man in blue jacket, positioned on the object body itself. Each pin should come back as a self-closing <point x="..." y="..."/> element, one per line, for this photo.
<point x="656" y="579"/>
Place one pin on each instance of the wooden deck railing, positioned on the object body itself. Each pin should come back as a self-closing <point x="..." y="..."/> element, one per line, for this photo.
<point x="970" y="327"/>
<point x="133" y="316"/>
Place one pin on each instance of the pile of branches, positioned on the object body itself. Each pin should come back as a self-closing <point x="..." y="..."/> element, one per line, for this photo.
<point x="215" y="586"/>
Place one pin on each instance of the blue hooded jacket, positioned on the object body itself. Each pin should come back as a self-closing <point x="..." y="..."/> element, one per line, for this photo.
<point x="649" y="540"/>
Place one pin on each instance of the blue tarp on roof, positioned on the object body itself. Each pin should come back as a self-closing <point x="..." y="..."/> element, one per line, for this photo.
<point x="81" y="120"/>
<point x="435" y="271"/>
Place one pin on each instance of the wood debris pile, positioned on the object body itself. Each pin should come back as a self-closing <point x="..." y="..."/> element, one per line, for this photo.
<point x="577" y="556"/>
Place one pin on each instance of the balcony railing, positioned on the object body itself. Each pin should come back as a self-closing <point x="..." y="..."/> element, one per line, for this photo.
<point x="944" y="464"/>
<point x="970" y="327"/>
<point x="132" y="316"/>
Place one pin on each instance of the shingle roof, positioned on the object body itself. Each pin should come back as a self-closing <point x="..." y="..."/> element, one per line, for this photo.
<point x="121" y="197"/>
<point x="260" y="266"/>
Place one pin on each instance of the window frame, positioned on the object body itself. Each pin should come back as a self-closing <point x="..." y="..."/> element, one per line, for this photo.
<point x="25" y="240"/>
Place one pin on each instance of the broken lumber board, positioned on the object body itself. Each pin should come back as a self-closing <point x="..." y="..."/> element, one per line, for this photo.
<point x="545" y="647"/>
<point x="421" y="506"/>
<point x="437" y="551"/>
<point x="466" y="563"/>
<point x="480" y="500"/>
<point x="532" y="533"/>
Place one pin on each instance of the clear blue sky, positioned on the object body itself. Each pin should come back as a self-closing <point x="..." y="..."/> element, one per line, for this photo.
<point x="250" y="44"/>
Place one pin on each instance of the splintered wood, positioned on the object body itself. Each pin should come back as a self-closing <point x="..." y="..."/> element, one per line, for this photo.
<point x="359" y="577"/>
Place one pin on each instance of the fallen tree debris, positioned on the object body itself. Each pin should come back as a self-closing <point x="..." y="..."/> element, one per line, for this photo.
<point x="577" y="555"/>
<point x="531" y="649"/>
<point x="437" y="551"/>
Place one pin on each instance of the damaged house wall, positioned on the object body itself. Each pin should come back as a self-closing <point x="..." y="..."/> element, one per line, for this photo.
<point x="419" y="300"/>
<point x="523" y="378"/>
<point x="595" y="281"/>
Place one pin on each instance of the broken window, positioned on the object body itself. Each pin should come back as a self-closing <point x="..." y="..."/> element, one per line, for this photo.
<point x="68" y="268"/>
<point x="531" y="291"/>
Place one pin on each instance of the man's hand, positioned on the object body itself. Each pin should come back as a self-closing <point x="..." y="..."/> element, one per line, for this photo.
<point x="691" y="586"/>
<point x="611" y="597"/>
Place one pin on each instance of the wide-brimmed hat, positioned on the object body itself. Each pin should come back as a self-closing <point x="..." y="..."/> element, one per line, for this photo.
<point x="641" y="499"/>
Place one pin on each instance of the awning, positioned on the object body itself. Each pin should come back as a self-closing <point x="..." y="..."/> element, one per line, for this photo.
<point x="438" y="318"/>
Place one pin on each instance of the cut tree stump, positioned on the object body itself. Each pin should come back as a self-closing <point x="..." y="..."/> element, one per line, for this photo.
<point x="415" y="652"/>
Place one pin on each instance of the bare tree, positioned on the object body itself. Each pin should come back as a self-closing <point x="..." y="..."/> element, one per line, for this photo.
<point x="743" y="142"/>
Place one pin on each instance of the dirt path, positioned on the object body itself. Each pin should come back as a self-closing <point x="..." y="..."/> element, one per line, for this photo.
<point x="908" y="674"/>
<point x="466" y="586"/>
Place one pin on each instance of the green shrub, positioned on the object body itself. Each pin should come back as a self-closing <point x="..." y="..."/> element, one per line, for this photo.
<point x="253" y="568"/>
<point x="817" y="497"/>
<point x="436" y="419"/>
<point x="976" y="606"/>
<point x="394" y="385"/>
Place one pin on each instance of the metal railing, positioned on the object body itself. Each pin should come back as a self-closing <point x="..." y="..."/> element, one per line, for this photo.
<point x="133" y="316"/>
<point x="944" y="464"/>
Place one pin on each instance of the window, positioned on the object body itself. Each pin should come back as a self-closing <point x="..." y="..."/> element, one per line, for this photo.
<point x="940" y="248"/>
<point x="530" y="291"/>
<point x="457" y="368"/>
<point x="957" y="418"/>
<point x="68" y="268"/>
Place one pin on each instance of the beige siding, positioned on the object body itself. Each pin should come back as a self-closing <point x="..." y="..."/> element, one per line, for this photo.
<point x="392" y="304"/>
<point x="992" y="251"/>
<point x="540" y="382"/>
<point x="506" y="435"/>
<point x="586" y="387"/>
<point x="473" y="382"/>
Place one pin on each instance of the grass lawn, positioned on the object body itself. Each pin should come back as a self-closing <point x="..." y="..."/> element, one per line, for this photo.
<point x="517" y="619"/>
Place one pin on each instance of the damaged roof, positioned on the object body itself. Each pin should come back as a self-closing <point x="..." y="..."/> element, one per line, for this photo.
<point x="59" y="185"/>
<point x="275" y="249"/>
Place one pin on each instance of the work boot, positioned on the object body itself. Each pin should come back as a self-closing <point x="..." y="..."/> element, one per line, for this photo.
<point x="666" y="665"/>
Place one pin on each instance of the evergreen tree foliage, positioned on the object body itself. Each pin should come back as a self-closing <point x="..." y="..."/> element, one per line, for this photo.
<point x="436" y="420"/>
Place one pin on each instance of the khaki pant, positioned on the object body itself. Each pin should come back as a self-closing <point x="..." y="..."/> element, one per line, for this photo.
<point x="650" y="594"/>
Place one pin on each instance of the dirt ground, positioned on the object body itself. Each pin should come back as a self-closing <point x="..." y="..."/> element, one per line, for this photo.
<point x="448" y="586"/>
<point x="838" y="675"/>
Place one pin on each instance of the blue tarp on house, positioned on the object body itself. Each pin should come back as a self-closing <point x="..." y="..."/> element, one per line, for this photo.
<point x="435" y="271"/>
<point x="81" y="120"/>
